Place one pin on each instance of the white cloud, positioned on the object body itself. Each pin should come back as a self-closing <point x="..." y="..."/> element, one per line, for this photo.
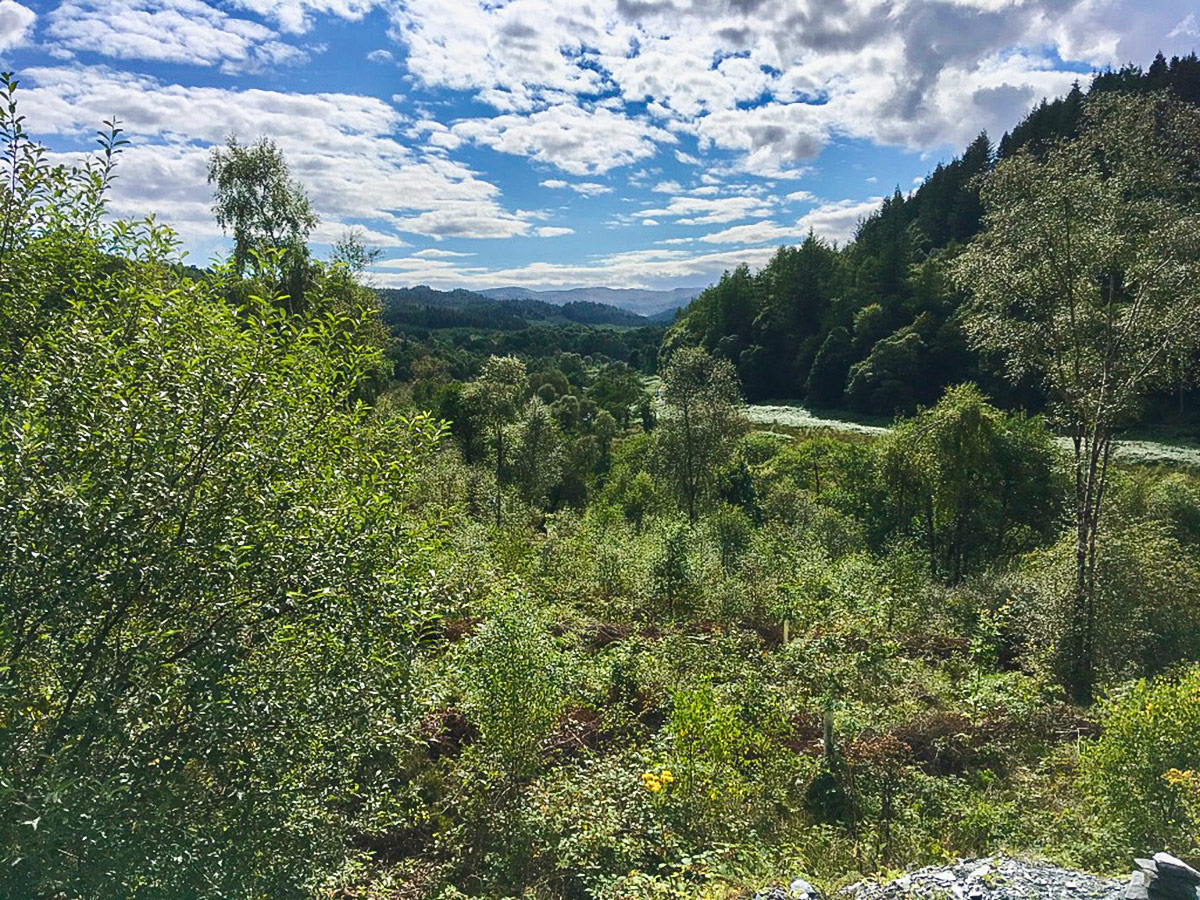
<point x="380" y="56"/>
<point x="15" y="21"/>
<point x="837" y="221"/>
<point x="342" y="147"/>
<point x="688" y="210"/>
<point x="754" y="233"/>
<point x="177" y="31"/>
<point x="771" y="83"/>
<point x="552" y="231"/>
<point x="296" y="16"/>
<point x="1187" y="28"/>
<point x="584" y="188"/>
<point x="576" y="140"/>
<point x="633" y="269"/>
<point x="435" y="253"/>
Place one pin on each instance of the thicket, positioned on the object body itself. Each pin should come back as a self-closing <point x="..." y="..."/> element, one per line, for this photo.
<point x="270" y="629"/>
<point x="878" y="326"/>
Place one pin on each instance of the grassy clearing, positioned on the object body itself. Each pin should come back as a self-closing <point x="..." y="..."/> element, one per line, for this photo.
<point x="1130" y="452"/>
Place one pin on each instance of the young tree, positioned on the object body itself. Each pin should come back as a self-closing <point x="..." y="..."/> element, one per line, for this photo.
<point x="537" y="453"/>
<point x="266" y="210"/>
<point x="971" y="482"/>
<point x="701" y="423"/>
<point x="493" y="398"/>
<point x="1088" y="276"/>
<point x="208" y="558"/>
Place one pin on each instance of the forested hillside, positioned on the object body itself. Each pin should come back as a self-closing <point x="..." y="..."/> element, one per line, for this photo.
<point x="425" y="307"/>
<point x="877" y="326"/>
<point x="313" y="591"/>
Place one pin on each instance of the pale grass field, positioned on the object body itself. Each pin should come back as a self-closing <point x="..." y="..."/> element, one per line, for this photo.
<point x="1126" y="451"/>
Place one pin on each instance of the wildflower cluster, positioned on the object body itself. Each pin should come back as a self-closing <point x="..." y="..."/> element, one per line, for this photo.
<point x="657" y="783"/>
<point x="1185" y="778"/>
<point x="1187" y="781"/>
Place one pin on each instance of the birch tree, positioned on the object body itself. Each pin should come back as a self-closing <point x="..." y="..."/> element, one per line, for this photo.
<point x="1087" y="276"/>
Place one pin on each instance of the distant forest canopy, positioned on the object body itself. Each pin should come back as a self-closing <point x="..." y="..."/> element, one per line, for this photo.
<point x="876" y="325"/>
<point x="453" y="309"/>
<point x="454" y="332"/>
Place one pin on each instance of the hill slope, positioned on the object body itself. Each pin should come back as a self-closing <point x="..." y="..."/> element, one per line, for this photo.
<point x="646" y="303"/>
<point x="875" y="326"/>
<point x="426" y="307"/>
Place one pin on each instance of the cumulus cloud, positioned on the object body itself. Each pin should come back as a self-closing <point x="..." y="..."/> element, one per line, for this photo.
<point x="688" y="210"/>
<point x="838" y="220"/>
<point x="569" y="137"/>
<point x="764" y="232"/>
<point x="296" y="16"/>
<point x="584" y="188"/>
<point x="772" y="83"/>
<point x="342" y="147"/>
<point x="553" y="231"/>
<point x="633" y="269"/>
<point x="15" y="22"/>
<point x="177" y="31"/>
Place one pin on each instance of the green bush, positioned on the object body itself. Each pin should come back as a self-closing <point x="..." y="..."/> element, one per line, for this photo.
<point x="515" y="687"/>
<point x="1149" y="730"/>
<point x="210" y="574"/>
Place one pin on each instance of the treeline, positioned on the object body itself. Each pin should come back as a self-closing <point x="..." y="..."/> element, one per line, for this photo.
<point x="429" y="308"/>
<point x="877" y="326"/>
<point x="442" y="339"/>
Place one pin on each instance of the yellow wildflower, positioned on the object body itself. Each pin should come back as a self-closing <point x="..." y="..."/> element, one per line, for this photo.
<point x="1179" y="778"/>
<point x="666" y="777"/>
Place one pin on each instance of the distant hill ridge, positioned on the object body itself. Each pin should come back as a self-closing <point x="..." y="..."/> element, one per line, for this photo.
<point x="643" y="302"/>
<point x="428" y="307"/>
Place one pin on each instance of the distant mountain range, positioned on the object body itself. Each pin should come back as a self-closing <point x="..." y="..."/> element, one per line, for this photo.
<point x="425" y="307"/>
<point x="647" y="303"/>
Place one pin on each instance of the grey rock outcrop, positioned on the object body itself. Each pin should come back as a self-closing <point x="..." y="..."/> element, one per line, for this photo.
<point x="992" y="878"/>
<point x="1164" y="877"/>
<point x="799" y="889"/>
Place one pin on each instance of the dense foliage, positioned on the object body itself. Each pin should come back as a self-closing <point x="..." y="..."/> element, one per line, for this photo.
<point x="877" y="326"/>
<point x="200" y="525"/>
<point x="290" y="608"/>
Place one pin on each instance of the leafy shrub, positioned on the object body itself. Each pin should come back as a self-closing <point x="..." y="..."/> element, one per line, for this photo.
<point x="210" y="592"/>
<point x="1148" y="731"/>
<point x="1145" y="601"/>
<point x="515" y="682"/>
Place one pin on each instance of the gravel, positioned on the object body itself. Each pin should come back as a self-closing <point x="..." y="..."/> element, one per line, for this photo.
<point x="993" y="878"/>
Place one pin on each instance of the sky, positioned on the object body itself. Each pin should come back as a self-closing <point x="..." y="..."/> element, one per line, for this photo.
<point x="559" y="143"/>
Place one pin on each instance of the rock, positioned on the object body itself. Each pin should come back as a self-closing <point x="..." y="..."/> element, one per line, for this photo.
<point x="1138" y="887"/>
<point x="996" y="878"/>
<point x="1170" y="867"/>
<point x="1165" y="877"/>
<point x="800" y="889"/>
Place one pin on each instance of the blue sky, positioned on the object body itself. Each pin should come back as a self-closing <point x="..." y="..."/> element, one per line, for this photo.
<point x="560" y="143"/>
